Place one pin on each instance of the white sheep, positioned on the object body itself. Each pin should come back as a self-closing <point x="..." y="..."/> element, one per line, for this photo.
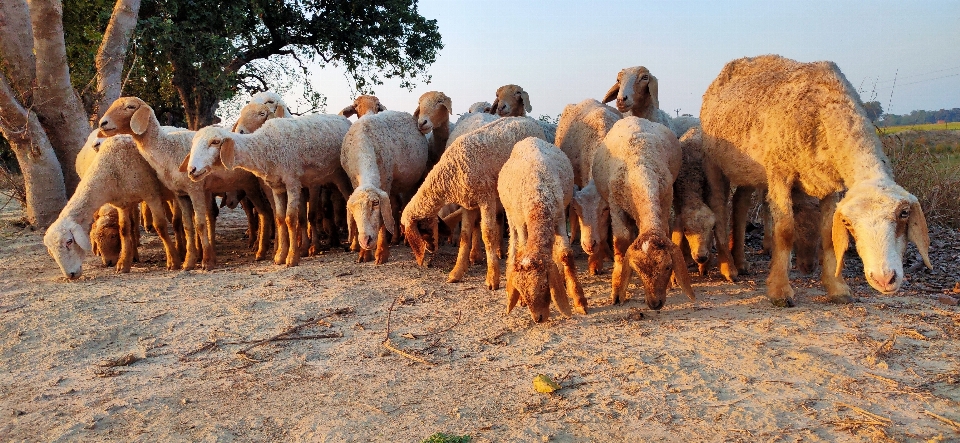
<point x="166" y="151"/>
<point x="288" y="154"/>
<point x="466" y="175"/>
<point x="634" y="170"/>
<point x="775" y="122"/>
<point x="580" y="131"/>
<point x="513" y="101"/>
<point x="119" y="176"/>
<point x="535" y="186"/>
<point x="363" y="105"/>
<point x="433" y="117"/>
<point x="636" y="92"/>
<point x="480" y="107"/>
<point x="385" y="155"/>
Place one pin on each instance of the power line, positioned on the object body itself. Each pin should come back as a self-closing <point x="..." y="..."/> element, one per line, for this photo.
<point x="930" y="79"/>
<point x="921" y="74"/>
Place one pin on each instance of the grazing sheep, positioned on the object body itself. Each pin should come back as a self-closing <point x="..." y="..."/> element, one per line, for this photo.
<point x="513" y="101"/>
<point x="535" y="186"/>
<point x="466" y="175"/>
<point x="120" y="176"/>
<point x="166" y="151"/>
<point x="433" y="117"/>
<point x="581" y="129"/>
<point x="288" y="154"/>
<point x="774" y="122"/>
<point x="384" y="155"/>
<point x="694" y="220"/>
<point x="363" y="105"/>
<point x="634" y="169"/>
<point x="636" y="95"/>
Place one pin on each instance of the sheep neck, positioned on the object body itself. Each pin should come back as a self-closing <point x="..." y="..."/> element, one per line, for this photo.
<point x="88" y="197"/>
<point x="540" y="231"/>
<point x="644" y="195"/>
<point x="440" y="136"/>
<point x="162" y="153"/>
<point x="368" y="169"/>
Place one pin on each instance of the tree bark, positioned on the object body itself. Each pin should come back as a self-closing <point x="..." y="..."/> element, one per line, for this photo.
<point x="199" y="103"/>
<point x="42" y="174"/>
<point x="56" y="103"/>
<point x="112" y="52"/>
<point x="16" y="42"/>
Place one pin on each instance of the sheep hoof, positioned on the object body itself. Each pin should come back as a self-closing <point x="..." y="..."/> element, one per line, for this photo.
<point x="493" y="285"/>
<point x="783" y="302"/>
<point x="582" y="310"/>
<point x="841" y="298"/>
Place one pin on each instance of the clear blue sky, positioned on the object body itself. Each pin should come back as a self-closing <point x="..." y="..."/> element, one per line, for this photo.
<point x="562" y="52"/>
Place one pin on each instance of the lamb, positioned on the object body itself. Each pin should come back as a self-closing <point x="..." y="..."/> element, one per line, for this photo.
<point x="636" y="95"/>
<point x="634" y="170"/>
<point x="433" y="117"/>
<point x="694" y="220"/>
<point x="535" y="187"/>
<point x="775" y="122"/>
<point x="120" y="176"/>
<point x="288" y="154"/>
<point x="513" y="101"/>
<point x="363" y="105"/>
<point x="384" y="155"/>
<point x="581" y="129"/>
<point x="165" y="151"/>
<point x="466" y="175"/>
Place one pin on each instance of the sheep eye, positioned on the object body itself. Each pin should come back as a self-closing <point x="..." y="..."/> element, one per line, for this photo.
<point x="904" y="214"/>
<point x="69" y="242"/>
<point x="376" y="203"/>
<point x="131" y="106"/>
<point x="644" y="78"/>
<point x="269" y="102"/>
<point x="214" y="142"/>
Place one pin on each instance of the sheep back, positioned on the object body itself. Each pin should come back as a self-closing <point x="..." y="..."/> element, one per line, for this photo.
<point x="581" y="129"/>
<point x="391" y="140"/>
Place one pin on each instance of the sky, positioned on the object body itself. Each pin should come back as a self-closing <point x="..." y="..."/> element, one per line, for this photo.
<point x="562" y="52"/>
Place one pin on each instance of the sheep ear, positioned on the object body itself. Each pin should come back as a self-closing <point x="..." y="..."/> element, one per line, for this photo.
<point x="494" y="106"/>
<point x="557" y="291"/>
<point x="415" y="240"/>
<point x="917" y="233"/>
<point x="680" y="271"/>
<point x="380" y="107"/>
<point x="185" y="164"/>
<point x="141" y="119"/>
<point x="526" y="101"/>
<point x="416" y="114"/>
<point x="513" y="296"/>
<point x="281" y="111"/>
<point x="81" y="237"/>
<point x="612" y="93"/>
<point x="448" y="103"/>
<point x="841" y="241"/>
<point x="386" y="212"/>
<point x="233" y="129"/>
<point x="227" y="153"/>
<point x="652" y="90"/>
<point x="348" y="111"/>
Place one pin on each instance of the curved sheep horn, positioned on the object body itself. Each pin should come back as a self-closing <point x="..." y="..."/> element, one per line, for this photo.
<point x="141" y="119"/>
<point x="526" y="101"/>
<point x="841" y="241"/>
<point x="348" y="111"/>
<point x="612" y="93"/>
<point x="918" y="234"/>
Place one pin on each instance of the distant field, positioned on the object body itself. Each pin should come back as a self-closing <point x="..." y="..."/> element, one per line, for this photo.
<point x="926" y="127"/>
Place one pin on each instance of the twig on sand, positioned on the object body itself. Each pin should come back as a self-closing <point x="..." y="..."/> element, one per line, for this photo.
<point x="293" y="330"/>
<point x="879" y="418"/>
<point x="441" y="331"/>
<point x="943" y="419"/>
<point x="204" y="347"/>
<point x="121" y="361"/>
<point x="388" y="345"/>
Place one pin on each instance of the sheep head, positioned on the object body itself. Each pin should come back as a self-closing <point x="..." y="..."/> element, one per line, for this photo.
<point x="212" y="147"/>
<point x="363" y="105"/>
<point x="422" y="235"/>
<point x="433" y="111"/>
<point x="696" y="222"/>
<point x="881" y="216"/>
<point x="593" y="214"/>
<point x="68" y="243"/>
<point x="654" y="258"/>
<point x="273" y="101"/>
<point x="534" y="279"/>
<point x="635" y="91"/>
<point x="369" y="209"/>
<point x="480" y="107"/>
<point x="252" y="117"/>
<point x="127" y="115"/>
<point x="105" y="235"/>
<point x="511" y="101"/>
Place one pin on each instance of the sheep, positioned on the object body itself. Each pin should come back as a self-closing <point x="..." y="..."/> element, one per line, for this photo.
<point x="120" y="176"/>
<point x="693" y="219"/>
<point x="466" y="175"/>
<point x="513" y="101"/>
<point x="634" y="170"/>
<point x="363" y="105"/>
<point x="580" y="131"/>
<point x="166" y="151"/>
<point x="636" y="95"/>
<point x="433" y="117"/>
<point x="535" y="186"/>
<point x="806" y="219"/>
<point x="384" y="155"/>
<point x="286" y="153"/>
<point x="479" y="107"/>
<point x="775" y="122"/>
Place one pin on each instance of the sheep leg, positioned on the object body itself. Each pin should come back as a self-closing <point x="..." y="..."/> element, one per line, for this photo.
<point x="621" y="271"/>
<point x="314" y="218"/>
<point x="176" y="219"/>
<point x="279" y="214"/>
<point x="190" y="232"/>
<point x="261" y="207"/>
<point x="127" y="244"/>
<point x="159" y="220"/>
<point x="294" y="228"/>
<point x="719" y="190"/>
<point x="383" y="246"/>
<point x="781" y="208"/>
<point x="202" y="217"/>
<point x="837" y="289"/>
<point x="135" y="228"/>
<point x="253" y="227"/>
<point x="742" y="198"/>
<point x="491" y="240"/>
<point x="563" y="257"/>
<point x="466" y="238"/>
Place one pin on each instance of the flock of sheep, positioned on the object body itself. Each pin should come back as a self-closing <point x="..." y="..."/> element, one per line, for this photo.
<point x="632" y="183"/>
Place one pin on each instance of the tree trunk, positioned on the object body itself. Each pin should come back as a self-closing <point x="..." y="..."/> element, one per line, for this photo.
<point x="199" y="103"/>
<point x="112" y="52"/>
<point x="16" y="43"/>
<point x="56" y="103"/>
<point x="42" y="175"/>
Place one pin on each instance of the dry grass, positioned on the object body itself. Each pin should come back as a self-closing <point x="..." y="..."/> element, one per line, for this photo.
<point x="11" y="187"/>
<point x="927" y="165"/>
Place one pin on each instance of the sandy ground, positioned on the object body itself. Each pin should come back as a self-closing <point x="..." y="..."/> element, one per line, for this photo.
<point x="731" y="368"/>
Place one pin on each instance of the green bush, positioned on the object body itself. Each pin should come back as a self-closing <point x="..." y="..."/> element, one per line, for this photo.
<point x="440" y="437"/>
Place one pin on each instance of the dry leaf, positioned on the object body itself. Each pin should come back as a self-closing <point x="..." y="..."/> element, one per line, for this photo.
<point x="544" y="384"/>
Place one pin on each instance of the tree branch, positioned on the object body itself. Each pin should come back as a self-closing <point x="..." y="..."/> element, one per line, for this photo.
<point x="113" y="50"/>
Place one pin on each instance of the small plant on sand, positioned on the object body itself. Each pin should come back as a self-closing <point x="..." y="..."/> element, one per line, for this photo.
<point x="440" y="437"/>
